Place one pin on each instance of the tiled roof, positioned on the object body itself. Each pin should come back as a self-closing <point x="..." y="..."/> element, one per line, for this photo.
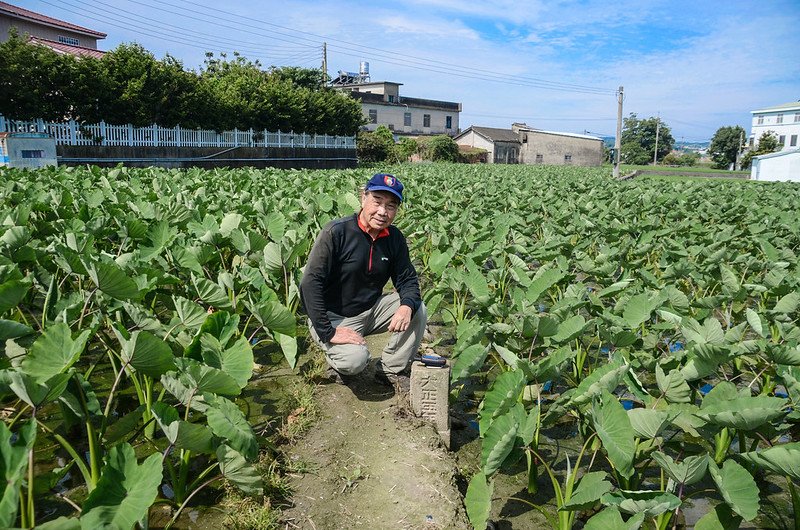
<point x="59" y="47"/>
<point x="43" y="19"/>
<point x="786" y="106"/>
<point x="497" y="135"/>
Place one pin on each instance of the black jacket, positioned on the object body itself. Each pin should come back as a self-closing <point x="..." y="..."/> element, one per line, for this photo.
<point x="347" y="271"/>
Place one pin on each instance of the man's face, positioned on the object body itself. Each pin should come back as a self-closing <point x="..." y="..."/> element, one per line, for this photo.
<point x="378" y="209"/>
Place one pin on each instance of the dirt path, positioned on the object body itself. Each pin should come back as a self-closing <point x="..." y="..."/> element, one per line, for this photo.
<point x="370" y="464"/>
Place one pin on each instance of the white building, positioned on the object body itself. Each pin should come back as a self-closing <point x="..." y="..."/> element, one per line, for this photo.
<point x="783" y="120"/>
<point x="782" y="165"/>
<point x="382" y="104"/>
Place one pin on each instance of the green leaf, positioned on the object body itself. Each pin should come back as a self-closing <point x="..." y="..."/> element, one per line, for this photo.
<point x="673" y="386"/>
<point x="236" y="361"/>
<point x="14" y="458"/>
<point x="113" y="281"/>
<point x="606" y="377"/>
<point x="692" y="469"/>
<point x="230" y="223"/>
<point x="782" y="459"/>
<point x="191" y="315"/>
<point x="288" y="346"/>
<point x="438" y="261"/>
<point x="590" y="489"/>
<point x="228" y="422"/>
<point x="148" y="354"/>
<point x="498" y="443"/>
<point x="274" y="316"/>
<point x="237" y="470"/>
<point x="62" y="523"/>
<point x="720" y="518"/>
<point x="211" y="293"/>
<point x="648" y="423"/>
<point x="54" y="352"/>
<point x="11" y="293"/>
<point x="10" y="329"/>
<point x="611" y="519"/>
<point x="504" y="393"/>
<point x="125" y="491"/>
<point x="478" y="286"/>
<point x="614" y="429"/>
<point x="745" y="413"/>
<point x="193" y="378"/>
<point x="479" y="500"/>
<point x="469" y="361"/>
<point x="787" y="304"/>
<point x="756" y="322"/>
<point x="34" y="393"/>
<point x="638" y="309"/>
<point x="647" y="503"/>
<point x="737" y="487"/>
<point x="569" y="330"/>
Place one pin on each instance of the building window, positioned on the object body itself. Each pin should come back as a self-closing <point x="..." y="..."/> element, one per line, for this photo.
<point x="32" y="153"/>
<point x="793" y="141"/>
<point x="391" y="98"/>
<point x="568" y="159"/>
<point x="426" y="120"/>
<point x="782" y="140"/>
<point x="779" y="118"/>
<point x="407" y="119"/>
<point x="796" y="117"/>
<point x="524" y="138"/>
<point x="373" y="115"/>
<point x="540" y="159"/>
<point x="72" y="41"/>
<point x="391" y="126"/>
<point x="761" y="120"/>
<point x="752" y="141"/>
<point x="448" y="122"/>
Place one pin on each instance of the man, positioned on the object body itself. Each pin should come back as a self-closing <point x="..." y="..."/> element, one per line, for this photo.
<point x="342" y="288"/>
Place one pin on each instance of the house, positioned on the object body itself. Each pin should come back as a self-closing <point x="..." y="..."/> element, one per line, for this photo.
<point x="382" y="104"/>
<point x="783" y="120"/>
<point x="525" y="145"/>
<point x="781" y="165"/>
<point x="60" y="36"/>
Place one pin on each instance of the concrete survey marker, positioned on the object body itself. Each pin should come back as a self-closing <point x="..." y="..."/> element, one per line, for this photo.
<point x="430" y="390"/>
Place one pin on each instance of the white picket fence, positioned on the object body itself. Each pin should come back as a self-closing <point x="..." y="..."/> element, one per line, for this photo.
<point x="73" y="133"/>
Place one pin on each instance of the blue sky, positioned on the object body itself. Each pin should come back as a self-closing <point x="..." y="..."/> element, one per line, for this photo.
<point x="555" y="65"/>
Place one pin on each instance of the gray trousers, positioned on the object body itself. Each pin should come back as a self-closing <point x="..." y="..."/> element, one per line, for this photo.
<point x="350" y="359"/>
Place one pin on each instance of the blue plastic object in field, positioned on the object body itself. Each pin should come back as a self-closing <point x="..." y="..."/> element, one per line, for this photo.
<point x="433" y="360"/>
<point x="706" y="388"/>
<point x="678" y="346"/>
<point x="547" y="386"/>
<point x="627" y="404"/>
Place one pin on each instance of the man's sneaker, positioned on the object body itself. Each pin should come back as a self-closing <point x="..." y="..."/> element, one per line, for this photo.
<point x="401" y="382"/>
<point x="332" y="376"/>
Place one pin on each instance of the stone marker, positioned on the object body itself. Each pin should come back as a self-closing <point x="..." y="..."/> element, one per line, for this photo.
<point x="430" y="392"/>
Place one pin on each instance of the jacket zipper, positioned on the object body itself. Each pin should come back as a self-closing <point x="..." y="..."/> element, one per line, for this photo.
<point x="371" y="247"/>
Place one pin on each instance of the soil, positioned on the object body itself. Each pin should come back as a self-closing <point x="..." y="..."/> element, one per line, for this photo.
<point x="371" y="464"/>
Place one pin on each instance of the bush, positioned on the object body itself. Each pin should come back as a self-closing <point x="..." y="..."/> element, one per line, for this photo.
<point x="439" y="148"/>
<point x="376" y="146"/>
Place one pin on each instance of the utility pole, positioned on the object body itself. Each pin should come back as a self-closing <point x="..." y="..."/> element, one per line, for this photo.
<point x="618" y="139"/>
<point x="655" y="151"/>
<point x="324" y="64"/>
<point x="738" y="163"/>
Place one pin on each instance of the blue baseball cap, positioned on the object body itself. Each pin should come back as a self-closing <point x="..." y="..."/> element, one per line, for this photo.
<point x="385" y="182"/>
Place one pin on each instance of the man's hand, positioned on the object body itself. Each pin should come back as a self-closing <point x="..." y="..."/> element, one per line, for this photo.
<point x="347" y="336"/>
<point x="401" y="319"/>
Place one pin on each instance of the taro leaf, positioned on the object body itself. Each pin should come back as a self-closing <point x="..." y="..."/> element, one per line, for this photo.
<point x="504" y="394"/>
<point x="125" y="491"/>
<point x="11" y="293"/>
<point x="569" y="330"/>
<point x="721" y="518"/>
<point x="782" y="459"/>
<point x="548" y="326"/>
<point x="13" y="462"/>
<point x="745" y="413"/>
<point x="273" y="261"/>
<point x="80" y="400"/>
<point x="685" y="418"/>
<point x="124" y="426"/>
<point x="191" y="436"/>
<point x="648" y="423"/>
<point x="10" y="329"/>
<point x="614" y="429"/>
<point x="610" y="518"/>
<point x="227" y="421"/>
<point x="722" y="392"/>
<point x="709" y="333"/>
<point x="148" y="354"/>
<point x="691" y="470"/>
<point x="53" y="352"/>
<point x="787" y="304"/>
<point x="113" y="281"/>
<point x="647" y="503"/>
<point x="237" y="470"/>
<point x="544" y="279"/>
<point x="673" y="386"/>
<point x="191" y="315"/>
<point x="479" y="500"/>
<point x="477" y="285"/>
<point x="509" y="357"/>
<point x="32" y="391"/>
<point x="638" y="309"/>
<point x="786" y="355"/>
<point x="614" y="288"/>
<point x="737" y="487"/>
<point x="527" y="425"/>
<point x="194" y="378"/>
<point x="229" y="223"/>
<point x="498" y="443"/>
<point x="591" y="487"/>
<point x="469" y="361"/>
<point x="220" y="325"/>
<point x="438" y="261"/>
<point x="550" y="366"/>
<point x="236" y="361"/>
<point x="274" y="316"/>
<point x="606" y="377"/>
<point x="757" y="323"/>
<point x="211" y="293"/>
<point x="288" y="346"/>
<point x="62" y="523"/>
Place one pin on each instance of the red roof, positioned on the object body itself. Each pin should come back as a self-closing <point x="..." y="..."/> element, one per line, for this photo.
<point x="43" y="19"/>
<point x="60" y="47"/>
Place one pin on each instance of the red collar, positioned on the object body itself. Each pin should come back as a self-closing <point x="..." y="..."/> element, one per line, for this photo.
<point x="382" y="233"/>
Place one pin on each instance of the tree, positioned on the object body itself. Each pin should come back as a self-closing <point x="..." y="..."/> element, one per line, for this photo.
<point x="725" y="146"/>
<point x="639" y="139"/>
<point x="767" y="143"/>
<point x="376" y="146"/>
<point x="440" y="148"/>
